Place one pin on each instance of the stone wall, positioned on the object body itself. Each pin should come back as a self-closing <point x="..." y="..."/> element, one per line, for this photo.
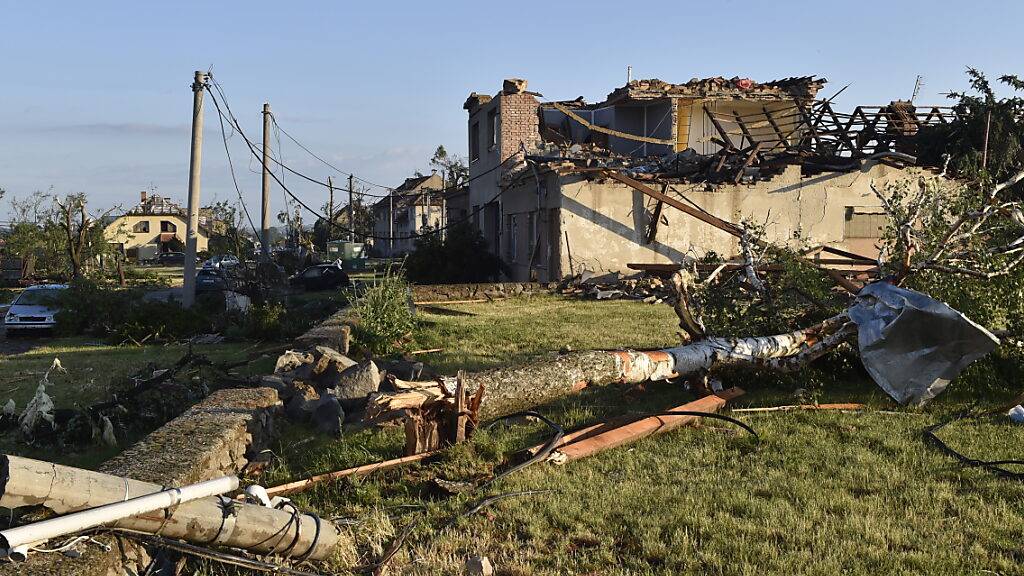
<point x="210" y="440"/>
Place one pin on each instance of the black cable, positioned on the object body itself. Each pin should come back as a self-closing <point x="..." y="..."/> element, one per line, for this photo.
<point x="215" y="555"/>
<point x="541" y="454"/>
<point x="328" y="164"/>
<point x="345" y="229"/>
<point x="713" y="415"/>
<point x="993" y="466"/>
<point x="237" y="127"/>
<point x="234" y="179"/>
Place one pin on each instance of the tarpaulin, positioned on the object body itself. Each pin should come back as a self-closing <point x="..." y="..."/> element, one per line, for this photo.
<point x="914" y="345"/>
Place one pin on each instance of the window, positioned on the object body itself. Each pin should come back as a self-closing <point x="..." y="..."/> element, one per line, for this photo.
<point x="167" y="226"/>
<point x="474" y="141"/>
<point x="511" y="239"/>
<point x="864" y="222"/>
<point x="141" y="227"/>
<point x="492" y="128"/>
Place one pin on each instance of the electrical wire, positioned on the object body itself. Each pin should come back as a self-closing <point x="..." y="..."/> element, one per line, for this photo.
<point x="299" y="201"/>
<point x="214" y="555"/>
<point x="325" y="162"/>
<point x="234" y="179"/>
<point x="993" y="466"/>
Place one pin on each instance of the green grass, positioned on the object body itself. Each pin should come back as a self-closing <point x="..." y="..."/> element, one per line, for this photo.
<point x="822" y="493"/>
<point x="94" y="370"/>
<point x="476" y="336"/>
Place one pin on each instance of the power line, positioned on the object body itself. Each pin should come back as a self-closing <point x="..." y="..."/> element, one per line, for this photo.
<point x="325" y="162"/>
<point x="234" y="179"/>
<point x="252" y="149"/>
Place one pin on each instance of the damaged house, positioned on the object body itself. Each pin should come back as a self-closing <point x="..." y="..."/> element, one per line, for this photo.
<point x="415" y="206"/>
<point x="659" y="171"/>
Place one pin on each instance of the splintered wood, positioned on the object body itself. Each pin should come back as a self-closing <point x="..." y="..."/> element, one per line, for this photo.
<point x="434" y="417"/>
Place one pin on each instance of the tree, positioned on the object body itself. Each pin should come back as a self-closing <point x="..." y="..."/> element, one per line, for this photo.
<point x="83" y="240"/>
<point x="452" y="167"/>
<point x="227" y="229"/>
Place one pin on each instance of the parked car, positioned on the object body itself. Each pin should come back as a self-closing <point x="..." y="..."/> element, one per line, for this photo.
<point x="320" y="277"/>
<point x="34" y="309"/>
<point x="171" y="259"/>
<point x="212" y="280"/>
<point x="221" y="261"/>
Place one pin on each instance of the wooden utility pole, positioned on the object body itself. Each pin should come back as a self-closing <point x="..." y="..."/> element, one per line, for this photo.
<point x="391" y="223"/>
<point x="351" y="213"/>
<point x="188" y="295"/>
<point x="265" y="208"/>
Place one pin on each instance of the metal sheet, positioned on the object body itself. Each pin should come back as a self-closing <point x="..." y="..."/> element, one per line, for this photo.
<point x="914" y="345"/>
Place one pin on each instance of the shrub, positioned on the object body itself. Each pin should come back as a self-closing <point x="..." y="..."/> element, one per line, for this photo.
<point x="265" y="321"/>
<point x="384" y="312"/>
<point x="461" y="257"/>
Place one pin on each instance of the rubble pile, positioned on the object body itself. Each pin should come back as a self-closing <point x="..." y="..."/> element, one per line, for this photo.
<point x="648" y="288"/>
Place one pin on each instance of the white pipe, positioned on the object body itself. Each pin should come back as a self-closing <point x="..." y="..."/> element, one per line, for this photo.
<point x="14" y="540"/>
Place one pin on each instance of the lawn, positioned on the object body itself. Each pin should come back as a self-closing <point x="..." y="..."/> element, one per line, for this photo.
<point x="93" y="370"/>
<point x="821" y="493"/>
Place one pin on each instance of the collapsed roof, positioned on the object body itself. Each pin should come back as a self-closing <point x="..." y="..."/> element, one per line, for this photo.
<point x="802" y="88"/>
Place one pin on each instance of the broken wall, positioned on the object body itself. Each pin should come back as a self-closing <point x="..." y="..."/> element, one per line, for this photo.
<point x="604" y="223"/>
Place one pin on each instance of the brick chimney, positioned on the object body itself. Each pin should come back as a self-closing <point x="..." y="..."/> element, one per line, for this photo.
<point x="142" y="197"/>
<point x="518" y="120"/>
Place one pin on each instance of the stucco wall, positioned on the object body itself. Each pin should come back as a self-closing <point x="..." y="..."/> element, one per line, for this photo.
<point x="121" y="231"/>
<point x="603" y="223"/>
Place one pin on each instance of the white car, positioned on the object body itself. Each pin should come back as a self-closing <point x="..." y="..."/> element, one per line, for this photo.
<point x="221" y="261"/>
<point x="33" y="309"/>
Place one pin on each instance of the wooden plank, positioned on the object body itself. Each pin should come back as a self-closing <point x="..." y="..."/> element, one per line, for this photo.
<point x="305" y="484"/>
<point x="746" y="163"/>
<point x="715" y="221"/>
<point x="590" y="445"/>
<point x="652" y="231"/>
<point x="609" y="131"/>
<point x="778" y="131"/>
<point x="743" y="128"/>
<point x="718" y="126"/>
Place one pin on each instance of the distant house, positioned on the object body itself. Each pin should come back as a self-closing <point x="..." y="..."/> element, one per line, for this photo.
<point x="417" y="205"/>
<point x="152" y="226"/>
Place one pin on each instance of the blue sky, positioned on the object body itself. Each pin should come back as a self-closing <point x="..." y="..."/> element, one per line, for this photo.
<point x="95" y="94"/>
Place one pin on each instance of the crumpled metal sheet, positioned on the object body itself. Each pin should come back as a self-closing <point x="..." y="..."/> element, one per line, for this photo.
<point x="914" y="345"/>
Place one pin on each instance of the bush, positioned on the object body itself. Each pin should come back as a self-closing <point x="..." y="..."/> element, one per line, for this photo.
<point x="265" y="321"/>
<point x="90" y="308"/>
<point x="461" y="257"/>
<point x="385" y="315"/>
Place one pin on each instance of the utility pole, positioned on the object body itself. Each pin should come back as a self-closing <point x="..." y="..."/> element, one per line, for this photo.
<point x="391" y="223"/>
<point x="330" y="208"/>
<point x="351" y="213"/>
<point x="265" y="209"/>
<point x="188" y="295"/>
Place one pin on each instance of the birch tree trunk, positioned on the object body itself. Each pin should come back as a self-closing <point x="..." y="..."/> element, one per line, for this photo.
<point x="508" y="390"/>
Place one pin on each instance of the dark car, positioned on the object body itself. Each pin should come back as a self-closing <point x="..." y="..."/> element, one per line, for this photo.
<point x="212" y="280"/>
<point x="320" y="277"/>
<point x="171" y="259"/>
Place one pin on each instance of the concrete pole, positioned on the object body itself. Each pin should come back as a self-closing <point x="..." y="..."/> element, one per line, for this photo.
<point x="188" y="295"/>
<point x="351" y="213"/>
<point x="330" y="207"/>
<point x="265" y="208"/>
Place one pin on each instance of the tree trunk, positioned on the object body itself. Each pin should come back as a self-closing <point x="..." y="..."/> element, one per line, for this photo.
<point x="508" y="390"/>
